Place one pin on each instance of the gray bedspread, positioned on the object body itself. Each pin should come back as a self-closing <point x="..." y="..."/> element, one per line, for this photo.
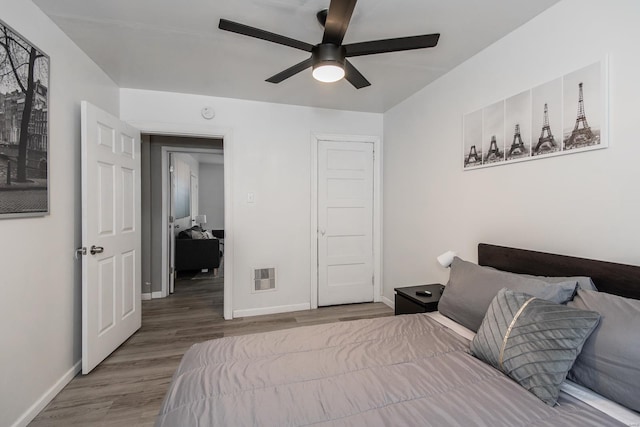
<point x="392" y="371"/>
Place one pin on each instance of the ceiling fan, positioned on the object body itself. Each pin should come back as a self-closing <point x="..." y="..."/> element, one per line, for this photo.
<point x="329" y="58"/>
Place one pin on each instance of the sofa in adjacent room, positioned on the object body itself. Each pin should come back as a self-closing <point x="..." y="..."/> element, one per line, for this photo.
<point x="196" y="249"/>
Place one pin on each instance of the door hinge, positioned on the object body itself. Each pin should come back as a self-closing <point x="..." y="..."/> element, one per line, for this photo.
<point x="372" y="280"/>
<point x="170" y="219"/>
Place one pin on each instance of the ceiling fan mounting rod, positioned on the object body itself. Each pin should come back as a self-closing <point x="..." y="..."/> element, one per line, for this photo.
<point x="322" y="16"/>
<point x="328" y="53"/>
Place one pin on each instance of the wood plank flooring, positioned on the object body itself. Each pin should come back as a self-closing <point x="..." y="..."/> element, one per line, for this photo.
<point x="127" y="389"/>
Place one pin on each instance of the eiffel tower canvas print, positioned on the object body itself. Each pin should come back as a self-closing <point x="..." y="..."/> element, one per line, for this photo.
<point x="568" y="114"/>
<point x="472" y="144"/>
<point x="493" y="133"/>
<point x="518" y="126"/>
<point x="582" y="122"/>
<point x="546" y="118"/>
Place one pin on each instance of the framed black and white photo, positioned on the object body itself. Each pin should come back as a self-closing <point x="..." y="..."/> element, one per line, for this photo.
<point x="472" y="145"/>
<point x="566" y="115"/>
<point x="24" y="127"/>
<point x="518" y="126"/>
<point x="583" y="109"/>
<point x="493" y="133"/>
<point x="546" y="132"/>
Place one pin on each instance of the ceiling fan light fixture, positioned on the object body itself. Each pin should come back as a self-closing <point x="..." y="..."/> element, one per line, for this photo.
<point x="328" y="58"/>
<point x="328" y="62"/>
<point x="328" y="73"/>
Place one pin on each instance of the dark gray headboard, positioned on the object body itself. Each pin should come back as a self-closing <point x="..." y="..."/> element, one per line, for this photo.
<point x="613" y="278"/>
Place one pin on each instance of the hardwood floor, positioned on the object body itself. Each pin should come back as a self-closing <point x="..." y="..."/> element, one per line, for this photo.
<point x="127" y="389"/>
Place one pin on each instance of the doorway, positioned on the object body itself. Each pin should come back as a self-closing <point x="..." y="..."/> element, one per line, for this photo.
<point x="178" y="192"/>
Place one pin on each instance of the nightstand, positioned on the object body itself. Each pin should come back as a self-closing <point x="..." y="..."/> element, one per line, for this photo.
<point x="407" y="302"/>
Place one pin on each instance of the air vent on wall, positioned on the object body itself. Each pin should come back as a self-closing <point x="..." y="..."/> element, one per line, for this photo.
<point x="264" y="279"/>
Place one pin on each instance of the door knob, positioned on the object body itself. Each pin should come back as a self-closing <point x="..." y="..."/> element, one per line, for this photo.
<point x="96" y="250"/>
<point x="322" y="231"/>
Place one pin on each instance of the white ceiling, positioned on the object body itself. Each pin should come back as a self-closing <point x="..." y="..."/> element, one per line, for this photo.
<point x="176" y="46"/>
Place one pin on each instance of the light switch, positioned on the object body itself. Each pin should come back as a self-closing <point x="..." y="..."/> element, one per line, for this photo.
<point x="251" y="197"/>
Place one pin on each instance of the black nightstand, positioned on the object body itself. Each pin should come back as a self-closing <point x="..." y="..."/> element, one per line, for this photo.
<point x="407" y="302"/>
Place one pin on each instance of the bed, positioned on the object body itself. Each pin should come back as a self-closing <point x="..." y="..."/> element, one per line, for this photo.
<point x="402" y="371"/>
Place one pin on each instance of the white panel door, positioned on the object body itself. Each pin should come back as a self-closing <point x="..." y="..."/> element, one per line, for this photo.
<point x="111" y="275"/>
<point x="345" y="222"/>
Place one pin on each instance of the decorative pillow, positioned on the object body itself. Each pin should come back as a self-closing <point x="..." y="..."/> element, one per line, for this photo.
<point x="195" y="233"/>
<point x="184" y="234"/>
<point x="533" y="341"/>
<point x="471" y="288"/>
<point x="610" y="360"/>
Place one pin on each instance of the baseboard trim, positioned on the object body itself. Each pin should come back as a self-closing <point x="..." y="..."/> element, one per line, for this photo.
<point x="157" y="294"/>
<point x="389" y="302"/>
<point x="271" y="310"/>
<point x="47" y="397"/>
<point x="146" y="297"/>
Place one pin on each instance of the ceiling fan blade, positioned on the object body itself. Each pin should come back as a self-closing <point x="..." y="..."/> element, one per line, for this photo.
<point x="291" y="71"/>
<point x="353" y="76"/>
<point x="391" y="45"/>
<point x="246" y="30"/>
<point x="338" y="18"/>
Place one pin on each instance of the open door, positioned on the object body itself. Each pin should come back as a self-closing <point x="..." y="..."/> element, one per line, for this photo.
<point x="111" y="234"/>
<point x="172" y="223"/>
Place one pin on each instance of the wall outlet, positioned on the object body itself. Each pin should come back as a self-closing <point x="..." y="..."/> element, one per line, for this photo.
<point x="251" y="197"/>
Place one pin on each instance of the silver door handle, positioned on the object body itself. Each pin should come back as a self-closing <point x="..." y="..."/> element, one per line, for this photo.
<point x="96" y="250"/>
<point x="322" y="231"/>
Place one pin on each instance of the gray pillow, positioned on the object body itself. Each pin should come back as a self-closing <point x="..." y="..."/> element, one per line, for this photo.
<point x="610" y="360"/>
<point x="471" y="288"/>
<point x="199" y="235"/>
<point x="533" y="341"/>
<point x="583" y="282"/>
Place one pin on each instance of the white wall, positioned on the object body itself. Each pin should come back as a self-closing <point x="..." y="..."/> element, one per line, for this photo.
<point x="212" y="194"/>
<point x="271" y="158"/>
<point x="584" y="204"/>
<point x="40" y="312"/>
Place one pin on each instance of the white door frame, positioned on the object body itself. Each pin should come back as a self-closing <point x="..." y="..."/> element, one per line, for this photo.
<point x="377" y="210"/>
<point x="179" y="129"/>
<point x="195" y="203"/>
<point x="166" y="198"/>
